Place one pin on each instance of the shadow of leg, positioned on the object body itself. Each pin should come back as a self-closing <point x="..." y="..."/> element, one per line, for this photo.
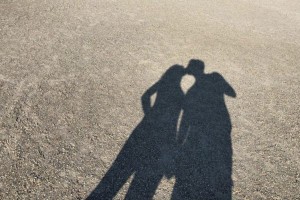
<point x="144" y="185"/>
<point x="113" y="180"/>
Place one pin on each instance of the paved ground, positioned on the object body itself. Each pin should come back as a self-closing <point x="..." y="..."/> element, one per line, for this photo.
<point x="73" y="73"/>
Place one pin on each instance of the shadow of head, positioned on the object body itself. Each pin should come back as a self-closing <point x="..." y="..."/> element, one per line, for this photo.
<point x="195" y="67"/>
<point x="174" y="74"/>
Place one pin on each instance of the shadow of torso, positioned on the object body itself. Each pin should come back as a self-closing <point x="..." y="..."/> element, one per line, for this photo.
<point x="205" y="163"/>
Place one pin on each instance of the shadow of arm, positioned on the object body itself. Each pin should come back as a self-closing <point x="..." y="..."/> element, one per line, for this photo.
<point x="226" y="87"/>
<point x="146" y="98"/>
<point x="229" y="90"/>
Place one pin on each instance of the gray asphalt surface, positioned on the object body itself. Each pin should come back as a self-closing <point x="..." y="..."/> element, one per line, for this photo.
<point x="72" y="74"/>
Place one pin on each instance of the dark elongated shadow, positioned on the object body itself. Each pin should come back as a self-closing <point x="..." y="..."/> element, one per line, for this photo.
<point x="198" y="155"/>
<point x="146" y="152"/>
<point x="204" y="165"/>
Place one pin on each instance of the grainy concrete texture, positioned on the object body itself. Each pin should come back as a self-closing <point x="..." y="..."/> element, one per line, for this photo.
<point x="72" y="74"/>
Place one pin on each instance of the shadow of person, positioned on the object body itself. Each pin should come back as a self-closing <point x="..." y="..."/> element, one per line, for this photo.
<point x="205" y="163"/>
<point x="147" y="154"/>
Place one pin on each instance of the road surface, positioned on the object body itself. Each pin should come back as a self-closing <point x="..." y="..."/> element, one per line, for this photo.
<point x="72" y="74"/>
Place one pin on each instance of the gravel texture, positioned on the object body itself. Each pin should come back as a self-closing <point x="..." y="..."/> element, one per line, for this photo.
<point x="72" y="74"/>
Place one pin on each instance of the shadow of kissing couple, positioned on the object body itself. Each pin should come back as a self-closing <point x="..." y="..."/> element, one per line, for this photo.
<point x="195" y="149"/>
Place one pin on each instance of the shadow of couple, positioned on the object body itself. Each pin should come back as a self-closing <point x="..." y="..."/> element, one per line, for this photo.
<point x="198" y="153"/>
